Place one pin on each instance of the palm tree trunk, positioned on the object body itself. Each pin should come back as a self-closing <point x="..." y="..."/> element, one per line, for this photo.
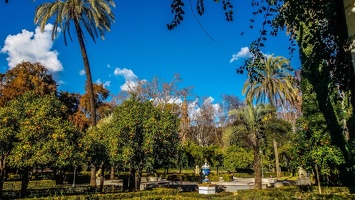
<point x="89" y="86"/>
<point x="257" y="166"/>
<point x="277" y="163"/>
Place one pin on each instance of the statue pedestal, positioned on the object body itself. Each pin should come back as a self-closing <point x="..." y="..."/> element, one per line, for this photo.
<point x="207" y="189"/>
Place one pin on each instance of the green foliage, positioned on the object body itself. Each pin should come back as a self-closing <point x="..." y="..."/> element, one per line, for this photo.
<point x="237" y="157"/>
<point x="249" y="127"/>
<point x="94" y="16"/>
<point x="216" y="177"/>
<point x="319" y="140"/>
<point x="42" y="136"/>
<point x="273" y="83"/>
<point x="16" y="185"/>
<point x="193" y="154"/>
<point x="314" y="147"/>
<point x="139" y="136"/>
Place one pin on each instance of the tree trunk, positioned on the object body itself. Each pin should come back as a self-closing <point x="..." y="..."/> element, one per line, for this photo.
<point x="89" y="85"/>
<point x="132" y="181"/>
<point x="277" y="164"/>
<point x="74" y="176"/>
<point x="318" y="180"/>
<point x="24" y="183"/>
<point x="93" y="175"/>
<point x="257" y="167"/>
<point x="1" y="186"/>
<point x="2" y="174"/>
<point x="112" y="173"/>
<point x="2" y="179"/>
<point x="140" y="170"/>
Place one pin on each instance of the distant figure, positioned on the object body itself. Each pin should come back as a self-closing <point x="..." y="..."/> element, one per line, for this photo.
<point x="197" y="169"/>
<point x="271" y="176"/>
<point x="302" y="173"/>
<point x="98" y="173"/>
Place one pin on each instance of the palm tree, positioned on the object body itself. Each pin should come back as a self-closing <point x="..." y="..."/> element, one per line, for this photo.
<point x="249" y="128"/>
<point x="94" y="15"/>
<point x="273" y="84"/>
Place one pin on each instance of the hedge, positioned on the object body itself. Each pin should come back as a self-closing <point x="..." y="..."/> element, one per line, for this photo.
<point x="16" y="185"/>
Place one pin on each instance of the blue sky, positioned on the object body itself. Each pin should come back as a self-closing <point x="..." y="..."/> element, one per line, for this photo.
<point x="139" y="46"/>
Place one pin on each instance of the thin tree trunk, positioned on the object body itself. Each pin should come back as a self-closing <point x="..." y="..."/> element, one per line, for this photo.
<point x="112" y="173"/>
<point x="140" y="170"/>
<point x="74" y="176"/>
<point x="132" y="177"/>
<point x="24" y="183"/>
<point x="1" y="186"/>
<point x="318" y="180"/>
<point x="2" y="179"/>
<point x="2" y="175"/>
<point x="277" y="164"/>
<point x="89" y="85"/>
<point x="93" y="175"/>
<point x="257" y="166"/>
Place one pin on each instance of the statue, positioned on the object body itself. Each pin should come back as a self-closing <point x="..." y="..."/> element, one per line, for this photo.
<point x="302" y="173"/>
<point x="98" y="173"/>
<point x="197" y="170"/>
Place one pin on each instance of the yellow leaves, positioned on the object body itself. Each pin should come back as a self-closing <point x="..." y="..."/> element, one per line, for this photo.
<point x="266" y="118"/>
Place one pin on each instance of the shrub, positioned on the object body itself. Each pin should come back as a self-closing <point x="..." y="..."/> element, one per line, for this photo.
<point x="40" y="184"/>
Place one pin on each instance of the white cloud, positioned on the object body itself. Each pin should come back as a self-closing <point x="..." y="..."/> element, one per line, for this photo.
<point x="108" y="66"/>
<point x="194" y="108"/>
<point x="175" y="100"/>
<point x="105" y="84"/>
<point x="32" y="47"/>
<point x="61" y="82"/>
<point x="243" y="53"/>
<point x="82" y="72"/>
<point x="131" y="79"/>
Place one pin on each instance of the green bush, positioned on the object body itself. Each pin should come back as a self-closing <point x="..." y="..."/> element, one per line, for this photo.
<point x="216" y="177"/>
<point x="40" y="184"/>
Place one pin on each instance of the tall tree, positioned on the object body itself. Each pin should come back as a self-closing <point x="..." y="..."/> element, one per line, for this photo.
<point x="149" y="136"/>
<point x="81" y="121"/>
<point x="37" y="134"/>
<point x="95" y="16"/>
<point x="26" y="77"/>
<point x="249" y="126"/>
<point x="8" y="128"/>
<point x="274" y="84"/>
